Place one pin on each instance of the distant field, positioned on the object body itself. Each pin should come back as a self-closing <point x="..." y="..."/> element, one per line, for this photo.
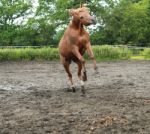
<point x="104" y="52"/>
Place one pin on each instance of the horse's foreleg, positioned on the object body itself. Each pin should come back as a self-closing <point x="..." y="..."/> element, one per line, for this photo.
<point x="91" y="55"/>
<point x="84" y="73"/>
<point x="82" y="62"/>
<point x="79" y="73"/>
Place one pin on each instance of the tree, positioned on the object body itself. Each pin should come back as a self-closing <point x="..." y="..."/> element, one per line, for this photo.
<point x="11" y="11"/>
<point x="127" y="23"/>
<point x="118" y="21"/>
<point x="135" y="23"/>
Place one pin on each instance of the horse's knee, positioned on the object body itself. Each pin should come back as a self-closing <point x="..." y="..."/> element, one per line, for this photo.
<point x="69" y="75"/>
<point x="79" y="73"/>
<point x="82" y="61"/>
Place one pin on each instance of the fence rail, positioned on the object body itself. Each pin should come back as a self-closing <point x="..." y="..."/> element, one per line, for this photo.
<point x="124" y="46"/>
<point x="130" y="47"/>
<point x="3" y="47"/>
<point x="103" y="52"/>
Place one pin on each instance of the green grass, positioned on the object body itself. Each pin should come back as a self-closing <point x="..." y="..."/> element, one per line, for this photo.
<point x="28" y="54"/>
<point x="104" y="52"/>
<point x="146" y="53"/>
<point x="138" y="57"/>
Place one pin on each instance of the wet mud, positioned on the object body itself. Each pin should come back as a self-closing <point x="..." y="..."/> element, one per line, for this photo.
<point x="34" y="99"/>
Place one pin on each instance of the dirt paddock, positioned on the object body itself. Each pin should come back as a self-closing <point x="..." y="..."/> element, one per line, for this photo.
<point x="34" y="99"/>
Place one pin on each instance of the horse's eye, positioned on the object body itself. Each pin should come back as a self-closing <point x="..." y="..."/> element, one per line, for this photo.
<point x="81" y="17"/>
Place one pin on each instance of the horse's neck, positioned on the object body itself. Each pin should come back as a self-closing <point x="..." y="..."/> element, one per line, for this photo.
<point x="78" y="26"/>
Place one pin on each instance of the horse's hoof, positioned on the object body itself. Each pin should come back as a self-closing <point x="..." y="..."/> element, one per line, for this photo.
<point x="96" y="71"/>
<point x="95" y="68"/>
<point x="68" y="90"/>
<point x="84" y="78"/>
<point x="73" y="89"/>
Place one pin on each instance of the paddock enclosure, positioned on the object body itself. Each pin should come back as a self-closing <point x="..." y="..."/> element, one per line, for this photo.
<point x="34" y="99"/>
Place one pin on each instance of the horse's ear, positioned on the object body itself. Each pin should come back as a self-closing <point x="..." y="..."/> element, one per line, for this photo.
<point x="84" y="5"/>
<point x="71" y="12"/>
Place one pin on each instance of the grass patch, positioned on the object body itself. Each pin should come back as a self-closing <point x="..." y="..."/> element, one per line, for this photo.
<point x="28" y="54"/>
<point x="106" y="52"/>
<point x="101" y="53"/>
<point x="138" y="57"/>
<point x="146" y="53"/>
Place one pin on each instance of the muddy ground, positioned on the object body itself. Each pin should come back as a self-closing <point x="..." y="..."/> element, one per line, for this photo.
<point x="34" y="99"/>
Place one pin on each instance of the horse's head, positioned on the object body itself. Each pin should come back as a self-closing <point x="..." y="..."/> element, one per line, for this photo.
<point x="82" y="15"/>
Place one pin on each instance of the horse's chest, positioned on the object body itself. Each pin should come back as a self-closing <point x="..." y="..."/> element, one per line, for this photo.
<point x="81" y="44"/>
<point x="82" y="40"/>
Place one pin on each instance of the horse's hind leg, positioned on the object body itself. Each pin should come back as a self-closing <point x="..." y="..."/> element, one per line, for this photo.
<point x="80" y="76"/>
<point x="79" y="72"/>
<point x="84" y="73"/>
<point x="66" y="65"/>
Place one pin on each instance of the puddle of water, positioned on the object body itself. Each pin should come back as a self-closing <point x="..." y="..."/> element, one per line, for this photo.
<point x="4" y="87"/>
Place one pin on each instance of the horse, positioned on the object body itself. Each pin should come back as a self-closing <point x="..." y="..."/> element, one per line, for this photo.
<point x="75" y="42"/>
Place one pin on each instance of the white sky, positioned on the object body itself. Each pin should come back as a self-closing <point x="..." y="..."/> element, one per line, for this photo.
<point x="23" y="20"/>
<point x="35" y="4"/>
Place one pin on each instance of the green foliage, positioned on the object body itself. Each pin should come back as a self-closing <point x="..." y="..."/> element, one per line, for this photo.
<point x="119" y="21"/>
<point x="10" y="12"/>
<point x="127" y="22"/>
<point x="136" y="23"/>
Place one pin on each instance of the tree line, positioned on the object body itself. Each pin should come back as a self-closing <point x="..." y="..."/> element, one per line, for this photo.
<point x="42" y="22"/>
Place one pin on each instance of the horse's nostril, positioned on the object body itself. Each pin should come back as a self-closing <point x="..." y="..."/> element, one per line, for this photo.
<point x="81" y="17"/>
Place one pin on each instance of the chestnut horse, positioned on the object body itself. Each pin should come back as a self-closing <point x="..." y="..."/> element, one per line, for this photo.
<point x="75" y="42"/>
